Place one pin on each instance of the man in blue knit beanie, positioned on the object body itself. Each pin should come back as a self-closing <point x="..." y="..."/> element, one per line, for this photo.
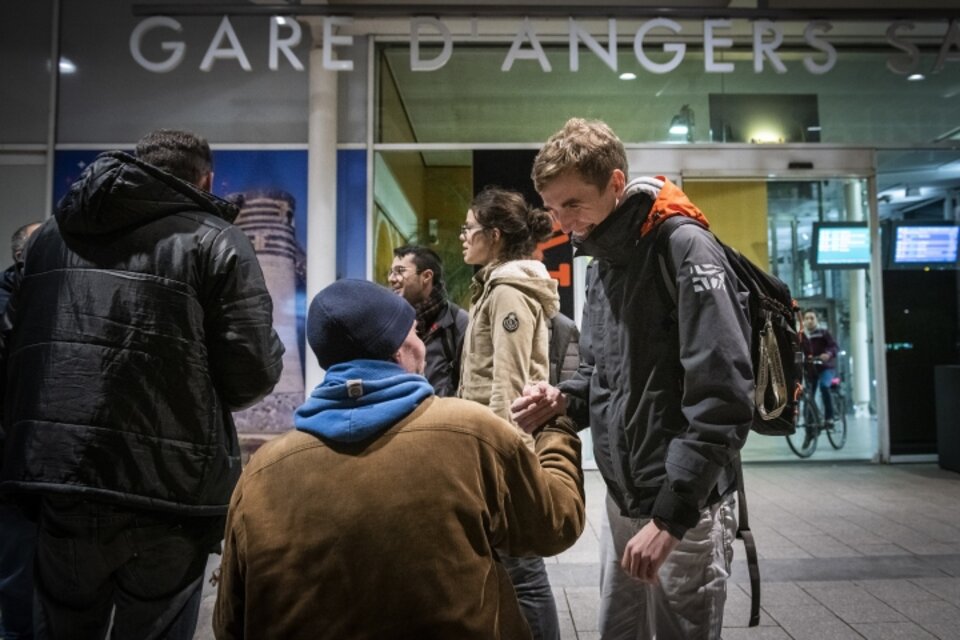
<point x="378" y="515"/>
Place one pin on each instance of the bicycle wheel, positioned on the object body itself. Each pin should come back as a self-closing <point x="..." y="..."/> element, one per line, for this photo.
<point x="838" y="434"/>
<point x="804" y="440"/>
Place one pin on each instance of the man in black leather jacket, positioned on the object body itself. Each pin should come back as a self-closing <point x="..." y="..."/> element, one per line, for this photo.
<point x="140" y="322"/>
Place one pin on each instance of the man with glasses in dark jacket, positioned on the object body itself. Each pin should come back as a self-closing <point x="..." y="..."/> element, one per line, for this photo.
<point x="141" y="320"/>
<point x="417" y="275"/>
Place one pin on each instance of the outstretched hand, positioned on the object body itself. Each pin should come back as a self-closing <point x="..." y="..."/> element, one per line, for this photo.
<point x="539" y="403"/>
<point x="646" y="552"/>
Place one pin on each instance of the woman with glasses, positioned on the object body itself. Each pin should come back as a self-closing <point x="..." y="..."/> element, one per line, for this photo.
<point x="507" y="344"/>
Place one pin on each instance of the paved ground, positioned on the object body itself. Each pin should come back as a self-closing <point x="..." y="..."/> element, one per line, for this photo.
<point x="848" y="550"/>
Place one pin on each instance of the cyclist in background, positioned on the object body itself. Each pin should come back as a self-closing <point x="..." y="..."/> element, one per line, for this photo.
<point x="820" y="350"/>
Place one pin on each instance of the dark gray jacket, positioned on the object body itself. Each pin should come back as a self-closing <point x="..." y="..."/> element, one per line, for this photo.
<point x="564" y="348"/>
<point x="444" y="345"/>
<point x="141" y="322"/>
<point x="668" y="400"/>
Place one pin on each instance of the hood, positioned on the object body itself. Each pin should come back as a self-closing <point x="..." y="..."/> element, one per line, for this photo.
<point x="361" y="399"/>
<point x="118" y="191"/>
<point x="529" y="276"/>
<point x="669" y="202"/>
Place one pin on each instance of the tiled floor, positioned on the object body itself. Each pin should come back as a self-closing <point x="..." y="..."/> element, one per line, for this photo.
<point x="848" y="550"/>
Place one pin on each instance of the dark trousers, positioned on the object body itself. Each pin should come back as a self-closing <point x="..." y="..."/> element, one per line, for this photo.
<point x="95" y="559"/>
<point x="530" y="581"/>
<point x="18" y="537"/>
<point x="823" y="381"/>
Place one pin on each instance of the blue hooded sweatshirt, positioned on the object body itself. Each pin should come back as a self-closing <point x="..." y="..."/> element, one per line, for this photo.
<point x="360" y="399"/>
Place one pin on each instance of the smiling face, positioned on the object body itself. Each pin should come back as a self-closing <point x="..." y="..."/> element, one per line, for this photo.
<point x="479" y="243"/>
<point x="406" y="281"/>
<point x="579" y="206"/>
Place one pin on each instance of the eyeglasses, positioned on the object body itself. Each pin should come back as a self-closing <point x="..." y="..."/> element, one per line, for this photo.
<point x="465" y="229"/>
<point x="399" y="272"/>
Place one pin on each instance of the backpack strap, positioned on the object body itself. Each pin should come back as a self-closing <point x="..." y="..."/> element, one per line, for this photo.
<point x="662" y="248"/>
<point x="750" y="548"/>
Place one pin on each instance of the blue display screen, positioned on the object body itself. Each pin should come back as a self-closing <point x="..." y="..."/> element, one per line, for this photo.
<point x="842" y="245"/>
<point x="926" y="244"/>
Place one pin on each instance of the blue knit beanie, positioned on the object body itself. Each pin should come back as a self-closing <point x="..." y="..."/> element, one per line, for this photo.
<point x="357" y="319"/>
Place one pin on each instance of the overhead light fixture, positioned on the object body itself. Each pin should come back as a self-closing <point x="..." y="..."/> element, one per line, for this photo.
<point x="916" y="77"/>
<point x="628" y="75"/>
<point x="682" y="123"/>
<point x="67" y="66"/>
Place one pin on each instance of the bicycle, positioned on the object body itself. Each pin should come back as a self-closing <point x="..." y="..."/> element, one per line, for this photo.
<point x="810" y="422"/>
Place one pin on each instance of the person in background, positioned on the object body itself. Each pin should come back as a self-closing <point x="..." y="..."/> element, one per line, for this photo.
<point x="141" y="320"/>
<point x="564" y="348"/>
<point x="378" y="516"/>
<point x="564" y="351"/>
<point x="417" y="275"/>
<point x="18" y="533"/>
<point x="507" y="344"/>
<point x="18" y="243"/>
<point x="821" y="351"/>
<point x="668" y="398"/>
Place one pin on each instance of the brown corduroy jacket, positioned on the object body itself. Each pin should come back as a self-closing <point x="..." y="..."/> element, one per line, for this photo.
<point x="394" y="537"/>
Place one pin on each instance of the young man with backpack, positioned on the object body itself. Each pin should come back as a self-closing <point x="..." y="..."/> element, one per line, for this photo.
<point x="667" y="388"/>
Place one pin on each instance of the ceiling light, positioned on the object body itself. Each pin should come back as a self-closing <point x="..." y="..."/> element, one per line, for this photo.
<point x="914" y="77"/>
<point x="628" y="75"/>
<point x="766" y="136"/>
<point x="67" y="66"/>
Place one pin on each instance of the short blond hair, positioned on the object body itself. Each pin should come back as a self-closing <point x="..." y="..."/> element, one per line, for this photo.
<point x="590" y="147"/>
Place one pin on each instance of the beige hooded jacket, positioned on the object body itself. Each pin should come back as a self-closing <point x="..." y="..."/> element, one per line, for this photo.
<point x="507" y="341"/>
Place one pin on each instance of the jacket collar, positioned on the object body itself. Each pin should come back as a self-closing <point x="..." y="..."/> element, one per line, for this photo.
<point x="616" y="238"/>
<point x="646" y="203"/>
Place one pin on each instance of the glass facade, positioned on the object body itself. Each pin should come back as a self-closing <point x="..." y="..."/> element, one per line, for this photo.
<point x="472" y="100"/>
<point x="415" y="145"/>
<point x="438" y="120"/>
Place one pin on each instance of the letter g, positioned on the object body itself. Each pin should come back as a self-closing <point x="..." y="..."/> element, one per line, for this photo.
<point x="176" y="49"/>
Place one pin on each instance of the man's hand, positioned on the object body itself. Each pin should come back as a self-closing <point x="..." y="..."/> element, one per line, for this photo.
<point x="646" y="552"/>
<point x="539" y="403"/>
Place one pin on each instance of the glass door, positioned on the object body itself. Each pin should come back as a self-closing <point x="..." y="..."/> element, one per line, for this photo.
<point x="814" y="235"/>
<point x="806" y="214"/>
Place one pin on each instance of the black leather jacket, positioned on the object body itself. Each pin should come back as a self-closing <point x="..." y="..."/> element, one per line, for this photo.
<point x="142" y="319"/>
